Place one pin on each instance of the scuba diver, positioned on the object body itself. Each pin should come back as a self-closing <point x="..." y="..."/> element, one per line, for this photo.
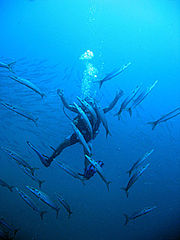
<point x="90" y="171"/>
<point x="91" y="113"/>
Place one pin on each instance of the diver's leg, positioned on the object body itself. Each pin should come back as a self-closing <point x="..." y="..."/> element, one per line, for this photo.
<point x="66" y="143"/>
<point x="46" y="161"/>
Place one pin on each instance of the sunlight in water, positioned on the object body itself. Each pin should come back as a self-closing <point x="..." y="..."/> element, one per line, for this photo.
<point x="89" y="74"/>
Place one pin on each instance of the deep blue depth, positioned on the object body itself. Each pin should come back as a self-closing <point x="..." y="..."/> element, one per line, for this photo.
<point x="46" y="39"/>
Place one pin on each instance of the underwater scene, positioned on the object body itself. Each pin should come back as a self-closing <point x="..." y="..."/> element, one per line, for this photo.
<point x="90" y="119"/>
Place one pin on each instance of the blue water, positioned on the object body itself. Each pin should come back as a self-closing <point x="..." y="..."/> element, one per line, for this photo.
<point x="46" y="39"/>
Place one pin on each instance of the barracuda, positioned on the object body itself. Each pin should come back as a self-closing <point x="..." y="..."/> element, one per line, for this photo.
<point x="138" y="214"/>
<point x="44" y="198"/>
<point x="140" y="161"/>
<point x="85" y="119"/>
<point x="81" y="138"/>
<point x="30" y="202"/>
<point x="4" y="184"/>
<point x="7" y="66"/>
<point x="134" y="178"/>
<point x="28" y="84"/>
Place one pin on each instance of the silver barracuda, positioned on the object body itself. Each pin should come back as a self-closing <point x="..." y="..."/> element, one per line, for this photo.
<point x="140" y="161"/>
<point x="33" y="177"/>
<point x="19" y="111"/>
<point x="112" y="75"/>
<point x="99" y="170"/>
<point x="126" y="101"/>
<point x="28" y="84"/>
<point x="4" y="184"/>
<point x="7" y="227"/>
<point x="30" y="202"/>
<point x="88" y="108"/>
<point x="102" y="117"/>
<point x="7" y="66"/>
<point x="165" y="117"/>
<point x="44" y="198"/>
<point x="141" y="97"/>
<point x="19" y="160"/>
<point x="138" y="214"/>
<point x="134" y="178"/>
<point x="64" y="203"/>
<point x="85" y="119"/>
<point x="70" y="171"/>
<point x="81" y="138"/>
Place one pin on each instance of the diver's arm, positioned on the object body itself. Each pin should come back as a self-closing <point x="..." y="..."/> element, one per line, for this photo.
<point x="66" y="105"/>
<point x="113" y="103"/>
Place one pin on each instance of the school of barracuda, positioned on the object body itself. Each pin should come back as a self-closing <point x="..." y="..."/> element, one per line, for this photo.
<point x="31" y="193"/>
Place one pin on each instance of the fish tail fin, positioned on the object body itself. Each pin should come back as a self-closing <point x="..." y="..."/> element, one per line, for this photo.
<point x="57" y="212"/>
<point x="126" y="219"/>
<point x="35" y="121"/>
<point x="82" y="180"/>
<point x="108" y="133"/>
<point x="33" y="170"/>
<point x="43" y="95"/>
<point x="69" y="214"/>
<point x="15" y="231"/>
<point x="154" y="124"/>
<point x="42" y="214"/>
<point x="41" y="182"/>
<point x="10" y="66"/>
<point x="129" y="172"/>
<point x="100" y="84"/>
<point x="11" y="188"/>
<point x="130" y="112"/>
<point x="108" y="185"/>
<point x="80" y="174"/>
<point x="118" y="115"/>
<point x="126" y="191"/>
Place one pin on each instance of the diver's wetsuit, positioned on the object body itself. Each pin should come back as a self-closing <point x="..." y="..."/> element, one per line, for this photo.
<point x="80" y="125"/>
<point x="78" y="121"/>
